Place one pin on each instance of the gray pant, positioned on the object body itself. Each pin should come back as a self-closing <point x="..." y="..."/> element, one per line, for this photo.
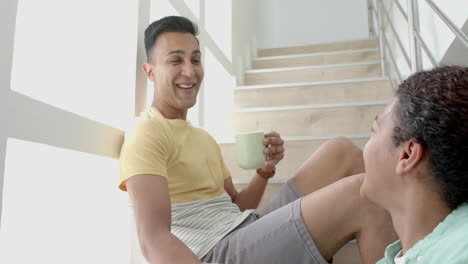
<point x="276" y="235"/>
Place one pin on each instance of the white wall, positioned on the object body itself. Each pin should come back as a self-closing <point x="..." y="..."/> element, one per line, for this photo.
<point x="434" y="32"/>
<point x="457" y="53"/>
<point x="244" y="33"/>
<point x="302" y="22"/>
<point x="50" y="153"/>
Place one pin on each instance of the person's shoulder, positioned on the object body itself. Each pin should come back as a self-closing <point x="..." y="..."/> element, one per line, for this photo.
<point x="152" y="117"/>
<point x="458" y="224"/>
<point x="451" y="248"/>
<point x="148" y="124"/>
<point x="452" y="243"/>
<point x="202" y="132"/>
<point x="459" y="227"/>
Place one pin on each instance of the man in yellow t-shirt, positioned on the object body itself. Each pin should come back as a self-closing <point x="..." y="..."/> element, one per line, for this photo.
<point x="188" y="154"/>
<point x="186" y="207"/>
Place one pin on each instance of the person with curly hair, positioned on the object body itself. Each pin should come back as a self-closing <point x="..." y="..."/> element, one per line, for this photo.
<point x="417" y="167"/>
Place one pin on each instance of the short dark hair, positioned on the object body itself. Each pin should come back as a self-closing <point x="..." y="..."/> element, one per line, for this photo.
<point x="432" y="110"/>
<point x="167" y="24"/>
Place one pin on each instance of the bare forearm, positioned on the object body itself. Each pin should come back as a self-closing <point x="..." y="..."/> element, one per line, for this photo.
<point x="250" y="197"/>
<point x="167" y="248"/>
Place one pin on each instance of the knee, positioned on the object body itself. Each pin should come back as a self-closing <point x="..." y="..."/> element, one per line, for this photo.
<point x="348" y="154"/>
<point x="345" y="146"/>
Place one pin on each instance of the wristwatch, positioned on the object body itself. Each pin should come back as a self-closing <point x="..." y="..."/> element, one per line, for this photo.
<point x="265" y="175"/>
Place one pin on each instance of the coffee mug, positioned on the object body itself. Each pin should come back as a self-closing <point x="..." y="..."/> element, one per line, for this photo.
<point x="249" y="150"/>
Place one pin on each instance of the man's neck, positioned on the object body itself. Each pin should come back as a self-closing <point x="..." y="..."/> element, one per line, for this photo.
<point x="421" y="212"/>
<point x="169" y="112"/>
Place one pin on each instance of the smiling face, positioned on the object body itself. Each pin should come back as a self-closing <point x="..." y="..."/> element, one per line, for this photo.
<point x="380" y="159"/>
<point x="176" y="72"/>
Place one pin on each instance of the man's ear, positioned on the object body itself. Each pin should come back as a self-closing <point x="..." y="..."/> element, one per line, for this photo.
<point x="148" y="69"/>
<point x="411" y="156"/>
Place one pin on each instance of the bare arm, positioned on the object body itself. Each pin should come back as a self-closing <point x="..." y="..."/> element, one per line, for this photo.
<point x="250" y="197"/>
<point x="150" y="196"/>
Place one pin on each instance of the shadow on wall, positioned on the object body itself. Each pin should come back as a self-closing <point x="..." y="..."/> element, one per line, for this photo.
<point x="457" y="53"/>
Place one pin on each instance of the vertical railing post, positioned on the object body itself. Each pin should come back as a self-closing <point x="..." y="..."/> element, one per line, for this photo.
<point x="370" y="19"/>
<point x="201" y="93"/>
<point x="381" y="35"/>
<point x="141" y="83"/>
<point x="413" y="25"/>
<point x="253" y="46"/>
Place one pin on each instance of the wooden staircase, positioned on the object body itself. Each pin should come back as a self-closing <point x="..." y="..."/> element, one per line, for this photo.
<point x="309" y="94"/>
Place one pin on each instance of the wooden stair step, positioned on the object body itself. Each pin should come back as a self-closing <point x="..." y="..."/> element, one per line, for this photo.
<point x="313" y="73"/>
<point x="323" y="120"/>
<point x="320" y="93"/>
<point x="316" y="59"/>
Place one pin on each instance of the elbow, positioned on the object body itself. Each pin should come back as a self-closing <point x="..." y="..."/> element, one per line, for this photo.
<point x="151" y="244"/>
<point x="145" y="249"/>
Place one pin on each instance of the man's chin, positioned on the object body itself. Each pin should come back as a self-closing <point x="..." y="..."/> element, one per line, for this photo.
<point x="188" y="105"/>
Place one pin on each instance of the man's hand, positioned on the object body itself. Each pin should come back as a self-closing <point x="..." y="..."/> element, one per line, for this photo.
<point x="274" y="150"/>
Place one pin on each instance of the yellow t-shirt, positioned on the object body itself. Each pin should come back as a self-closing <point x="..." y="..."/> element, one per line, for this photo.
<point x="187" y="156"/>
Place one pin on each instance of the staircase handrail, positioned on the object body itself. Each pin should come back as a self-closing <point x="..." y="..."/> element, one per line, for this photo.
<point x="417" y="43"/>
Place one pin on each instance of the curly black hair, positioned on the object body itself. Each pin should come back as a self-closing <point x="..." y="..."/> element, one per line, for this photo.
<point x="167" y="24"/>
<point x="433" y="111"/>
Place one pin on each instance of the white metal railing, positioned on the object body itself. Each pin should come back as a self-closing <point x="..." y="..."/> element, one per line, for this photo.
<point x="417" y="43"/>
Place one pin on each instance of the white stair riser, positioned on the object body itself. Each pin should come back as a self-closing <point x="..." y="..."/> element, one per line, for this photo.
<point x="315" y="94"/>
<point x="313" y="74"/>
<point x="316" y="60"/>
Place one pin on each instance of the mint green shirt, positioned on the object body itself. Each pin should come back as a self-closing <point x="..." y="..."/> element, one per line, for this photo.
<point x="447" y="244"/>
